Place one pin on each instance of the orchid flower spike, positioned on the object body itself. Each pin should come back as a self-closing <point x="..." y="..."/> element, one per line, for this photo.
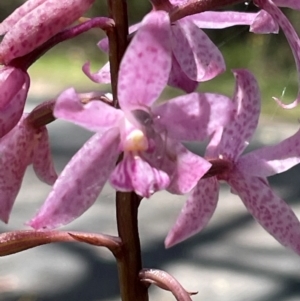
<point x="245" y="174"/>
<point x="22" y="146"/>
<point x="14" y="86"/>
<point x="35" y="22"/>
<point x="149" y="135"/>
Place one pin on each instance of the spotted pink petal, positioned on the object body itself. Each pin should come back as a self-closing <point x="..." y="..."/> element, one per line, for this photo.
<point x="139" y="83"/>
<point x="225" y="19"/>
<point x="15" y="155"/>
<point x="291" y="36"/>
<point x="196" y="212"/>
<point x="270" y="211"/>
<point x="194" y="116"/>
<point x="135" y="174"/>
<point x="20" y="12"/>
<point x="197" y="55"/>
<point x="38" y="25"/>
<point x="102" y="76"/>
<point x="264" y="23"/>
<point x="14" y="86"/>
<point x="189" y="169"/>
<point x="244" y="122"/>
<point x="270" y="160"/>
<point x="95" y="115"/>
<point x="80" y="183"/>
<point x="179" y="79"/>
<point x="42" y="159"/>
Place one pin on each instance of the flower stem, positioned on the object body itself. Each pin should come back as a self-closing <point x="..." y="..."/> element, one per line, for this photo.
<point x="198" y="6"/>
<point x="129" y="259"/>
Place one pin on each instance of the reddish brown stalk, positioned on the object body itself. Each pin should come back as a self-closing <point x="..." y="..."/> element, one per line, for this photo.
<point x="199" y="6"/>
<point x="18" y="241"/>
<point x="42" y="114"/>
<point x="165" y="281"/>
<point x="129" y="260"/>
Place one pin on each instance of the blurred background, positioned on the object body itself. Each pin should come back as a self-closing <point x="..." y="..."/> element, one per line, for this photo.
<point x="233" y="259"/>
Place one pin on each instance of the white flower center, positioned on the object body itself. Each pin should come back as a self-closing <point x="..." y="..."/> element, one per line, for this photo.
<point x="136" y="141"/>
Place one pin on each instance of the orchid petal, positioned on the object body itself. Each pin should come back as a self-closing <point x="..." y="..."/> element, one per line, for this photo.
<point x="179" y="79"/>
<point x="160" y="154"/>
<point x="221" y="19"/>
<point x="20" y="12"/>
<point x="196" y="212"/>
<point x="225" y="19"/>
<point x="95" y="115"/>
<point x="212" y="149"/>
<point x="264" y="23"/>
<point x="270" y="211"/>
<point x="292" y="38"/>
<point x="15" y="155"/>
<point x="247" y="108"/>
<point x="271" y="160"/>
<point x="194" y="116"/>
<point x="37" y="26"/>
<point x="42" y="159"/>
<point x="198" y="57"/>
<point x="103" y="45"/>
<point x="14" y="89"/>
<point x="135" y="174"/>
<point x="190" y="168"/>
<point x="139" y="83"/>
<point x="101" y="77"/>
<point x="11" y="80"/>
<point x="80" y="183"/>
<point x="119" y="178"/>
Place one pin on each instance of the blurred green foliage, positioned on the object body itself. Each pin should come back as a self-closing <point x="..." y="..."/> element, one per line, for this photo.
<point x="267" y="56"/>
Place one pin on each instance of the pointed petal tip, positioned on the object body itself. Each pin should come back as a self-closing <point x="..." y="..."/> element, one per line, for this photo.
<point x="170" y="241"/>
<point x="290" y="106"/>
<point x="36" y="224"/>
<point x="4" y="218"/>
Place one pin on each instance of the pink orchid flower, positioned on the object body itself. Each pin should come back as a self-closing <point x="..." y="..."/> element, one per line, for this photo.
<point x="153" y="158"/>
<point x="32" y="24"/>
<point x="14" y="86"/>
<point x="192" y="61"/>
<point x="22" y="146"/>
<point x="245" y="174"/>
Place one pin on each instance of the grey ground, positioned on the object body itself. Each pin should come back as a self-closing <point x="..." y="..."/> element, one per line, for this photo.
<point x="232" y="260"/>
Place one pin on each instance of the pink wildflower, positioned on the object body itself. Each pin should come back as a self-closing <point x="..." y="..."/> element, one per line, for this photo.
<point x="154" y="158"/>
<point x="245" y="174"/>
